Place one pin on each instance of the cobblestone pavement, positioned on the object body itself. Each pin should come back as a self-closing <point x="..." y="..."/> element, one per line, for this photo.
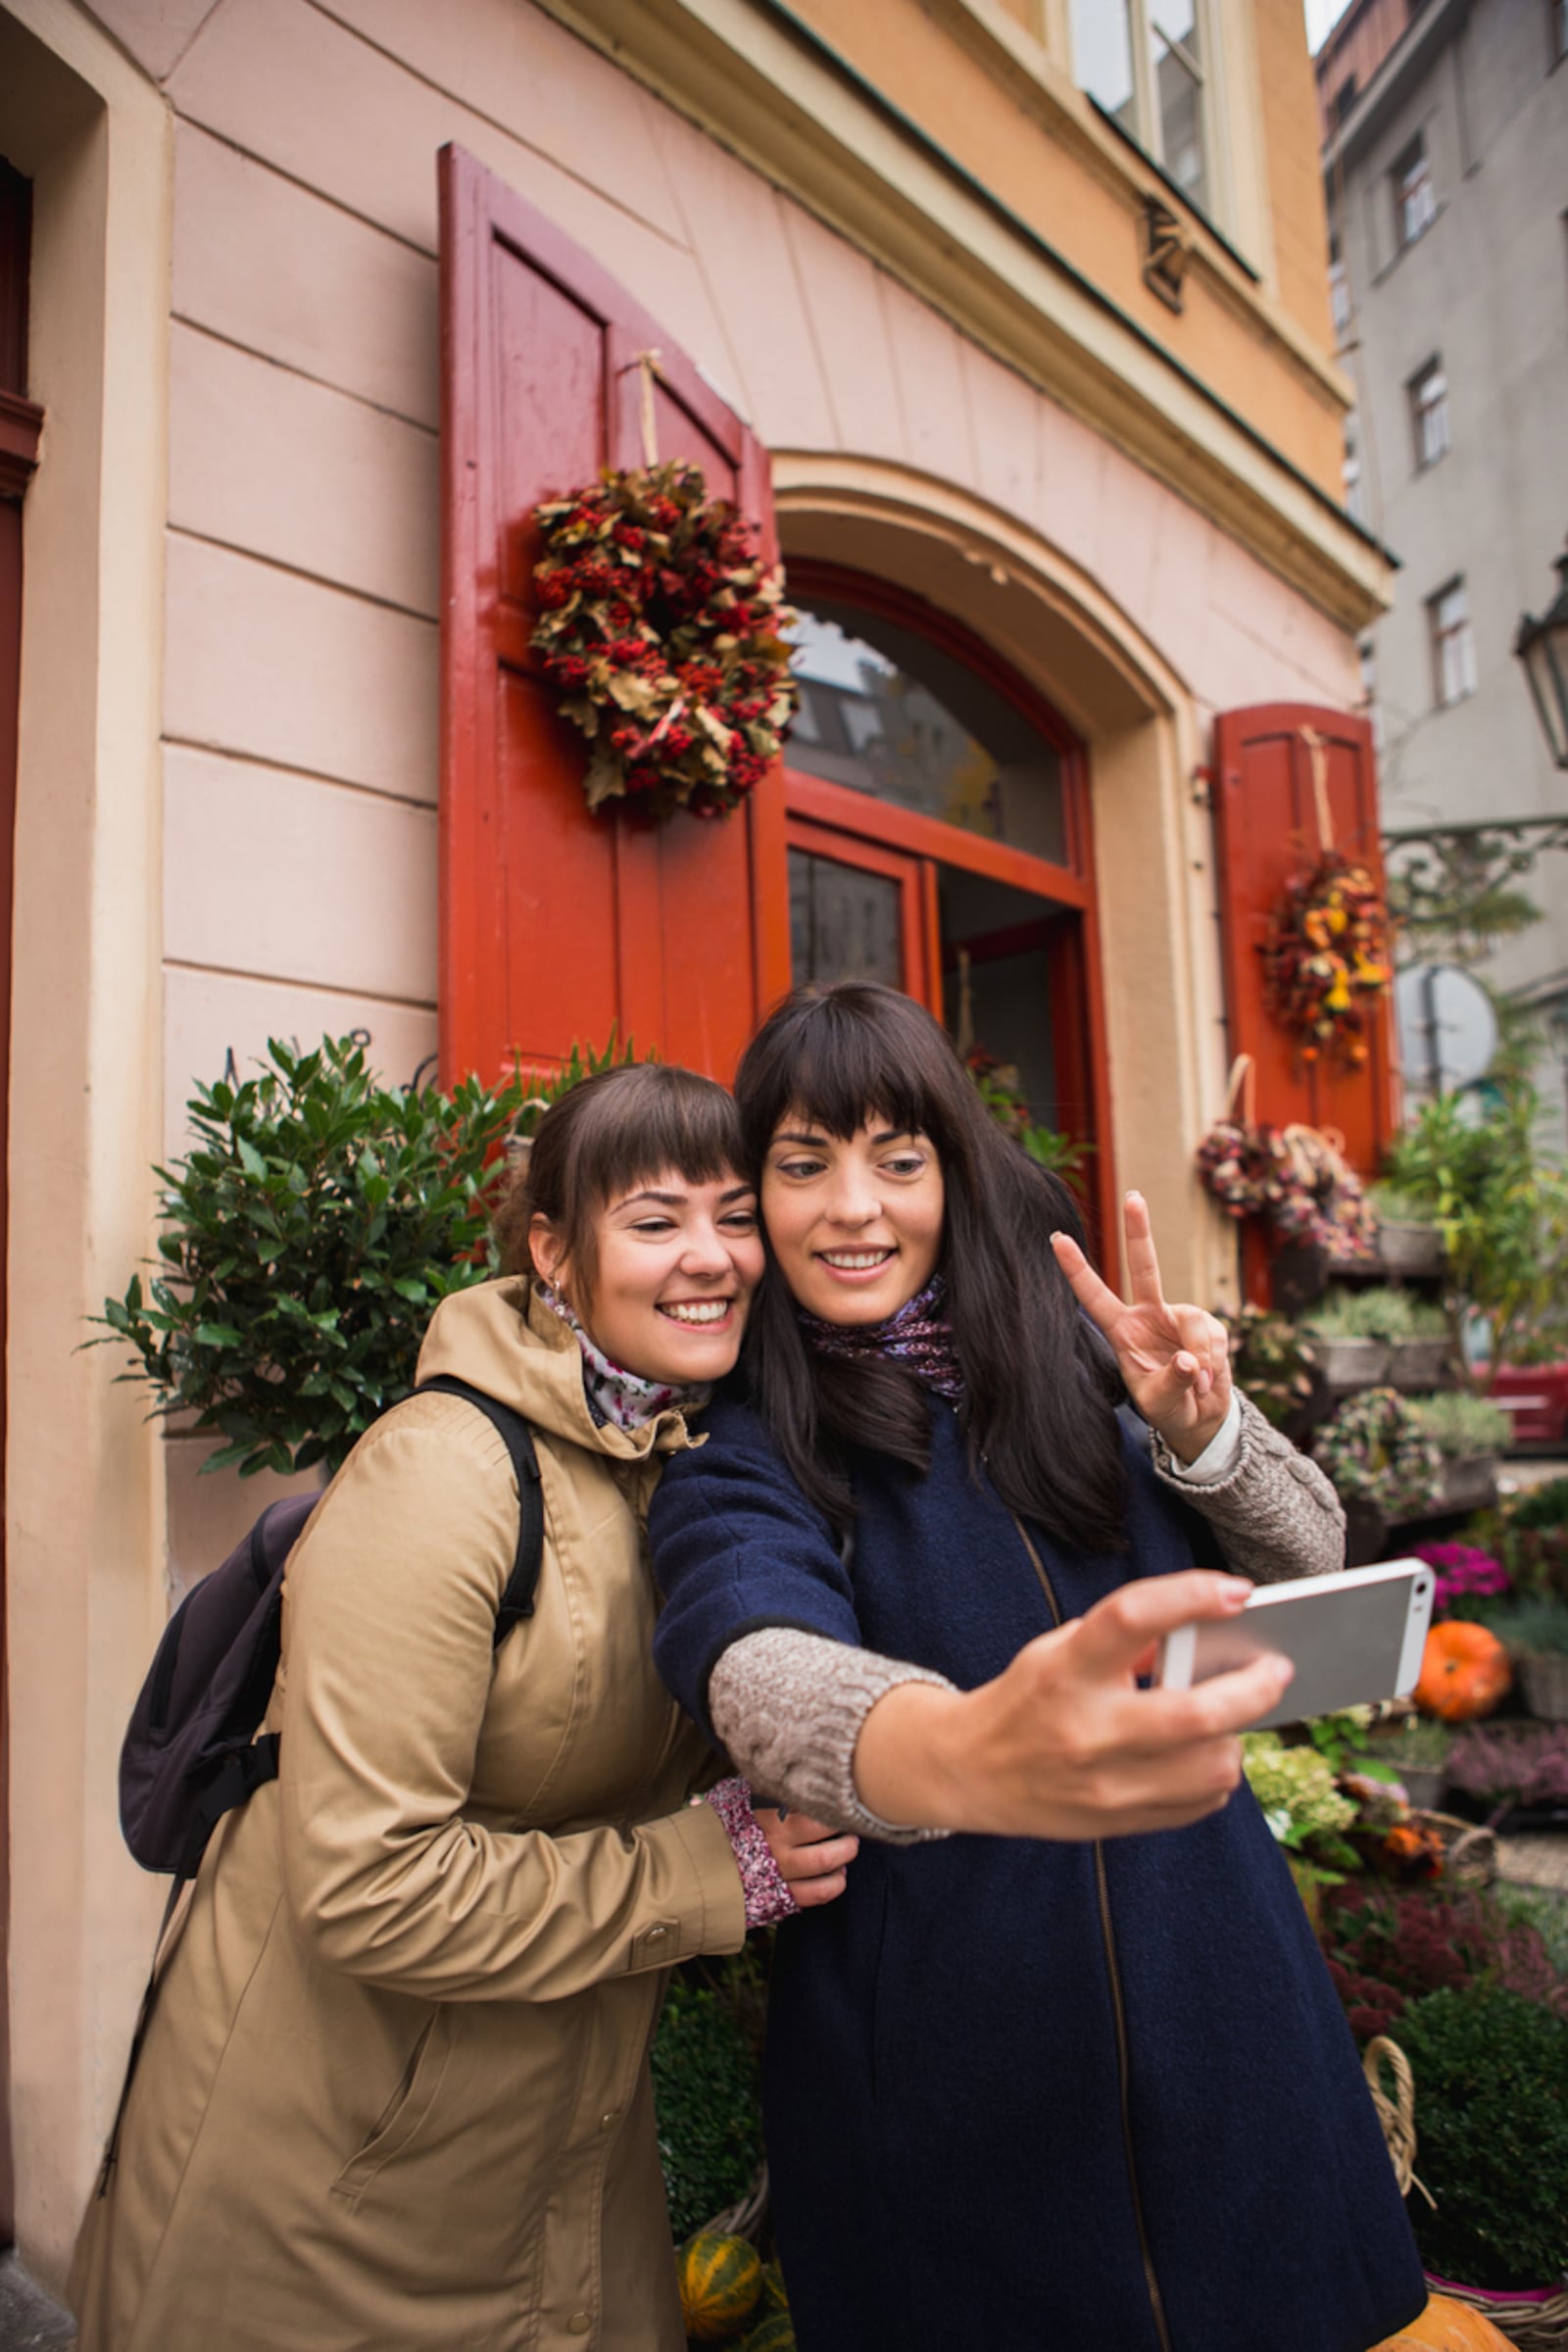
<point x="29" y="2320"/>
<point x="1535" y="1858"/>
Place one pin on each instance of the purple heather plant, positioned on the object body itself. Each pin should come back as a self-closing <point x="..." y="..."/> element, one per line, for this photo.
<point x="1509" y="1765"/>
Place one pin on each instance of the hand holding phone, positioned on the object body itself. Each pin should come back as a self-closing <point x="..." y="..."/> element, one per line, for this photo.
<point x="1353" y="1639"/>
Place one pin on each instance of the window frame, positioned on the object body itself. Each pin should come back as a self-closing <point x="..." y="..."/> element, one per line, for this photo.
<point x="1433" y="412"/>
<point x="1457" y="636"/>
<point x="1146" y="127"/>
<point x="1401" y="182"/>
<point x="1351" y="472"/>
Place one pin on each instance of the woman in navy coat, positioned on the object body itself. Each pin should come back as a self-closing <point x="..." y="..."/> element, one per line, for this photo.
<point x="1063" y="2069"/>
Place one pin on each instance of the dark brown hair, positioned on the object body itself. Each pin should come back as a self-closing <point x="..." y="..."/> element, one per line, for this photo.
<point x="615" y="1131"/>
<point x="1041" y="1385"/>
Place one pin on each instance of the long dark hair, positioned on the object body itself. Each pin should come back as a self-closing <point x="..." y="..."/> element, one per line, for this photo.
<point x="616" y="1130"/>
<point x="1040" y="1384"/>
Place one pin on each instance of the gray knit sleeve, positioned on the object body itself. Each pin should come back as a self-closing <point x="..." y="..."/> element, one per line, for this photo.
<point x="1274" y="1511"/>
<point x="788" y="1708"/>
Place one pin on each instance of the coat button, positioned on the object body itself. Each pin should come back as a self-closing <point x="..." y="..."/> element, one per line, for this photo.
<point x="579" y="2323"/>
<point x="607" y="2122"/>
<point x="656" y="1935"/>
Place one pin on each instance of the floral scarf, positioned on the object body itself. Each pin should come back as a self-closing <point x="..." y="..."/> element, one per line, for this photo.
<point x="613" y="1394"/>
<point x="920" y="1337"/>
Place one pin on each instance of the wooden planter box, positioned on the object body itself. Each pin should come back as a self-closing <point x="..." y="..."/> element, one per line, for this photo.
<point x="1470" y="1484"/>
<point x="1410" y="1249"/>
<point x="1347" y="1365"/>
<point x="1544" y="1679"/>
<point x="1418" y="1365"/>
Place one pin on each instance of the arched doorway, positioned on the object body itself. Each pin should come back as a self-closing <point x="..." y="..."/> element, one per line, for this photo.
<point x="939" y="839"/>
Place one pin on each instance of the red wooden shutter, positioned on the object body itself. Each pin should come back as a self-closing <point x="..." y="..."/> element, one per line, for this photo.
<point x="556" y="925"/>
<point x="1266" y="829"/>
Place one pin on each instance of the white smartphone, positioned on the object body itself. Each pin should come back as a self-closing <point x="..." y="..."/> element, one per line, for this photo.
<point x="1354" y="1638"/>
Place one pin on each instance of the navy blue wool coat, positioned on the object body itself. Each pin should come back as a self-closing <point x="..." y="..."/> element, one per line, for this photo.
<point x="1025" y="2094"/>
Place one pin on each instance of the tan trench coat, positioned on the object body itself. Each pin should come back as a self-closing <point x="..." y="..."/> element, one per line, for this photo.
<point x="394" y="2096"/>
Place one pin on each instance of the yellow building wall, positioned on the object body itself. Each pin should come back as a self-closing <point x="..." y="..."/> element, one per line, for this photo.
<point x="1263" y="348"/>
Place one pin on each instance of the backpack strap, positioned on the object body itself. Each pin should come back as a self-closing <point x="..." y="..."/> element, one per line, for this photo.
<point x="524" y="1582"/>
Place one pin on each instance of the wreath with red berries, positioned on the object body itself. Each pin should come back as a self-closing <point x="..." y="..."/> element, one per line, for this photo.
<point x="662" y="624"/>
<point x="1326" y="960"/>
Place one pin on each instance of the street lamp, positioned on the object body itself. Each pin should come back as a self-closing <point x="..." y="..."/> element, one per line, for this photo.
<point x="1542" y="647"/>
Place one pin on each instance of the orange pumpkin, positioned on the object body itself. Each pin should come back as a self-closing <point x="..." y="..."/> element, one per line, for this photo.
<point x="1464" y="1672"/>
<point x="1446" y="2326"/>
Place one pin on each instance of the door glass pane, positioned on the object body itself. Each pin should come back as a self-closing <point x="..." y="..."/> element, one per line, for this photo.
<point x="889" y="714"/>
<point x="995" y="988"/>
<point x="845" y="923"/>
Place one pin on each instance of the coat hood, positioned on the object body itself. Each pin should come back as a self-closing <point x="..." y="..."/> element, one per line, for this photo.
<point x="502" y="1338"/>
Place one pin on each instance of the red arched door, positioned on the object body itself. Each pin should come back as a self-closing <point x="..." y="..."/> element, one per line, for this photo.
<point x="938" y="839"/>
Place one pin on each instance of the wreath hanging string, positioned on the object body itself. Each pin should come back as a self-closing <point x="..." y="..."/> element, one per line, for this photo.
<point x="663" y="627"/>
<point x="1326" y="958"/>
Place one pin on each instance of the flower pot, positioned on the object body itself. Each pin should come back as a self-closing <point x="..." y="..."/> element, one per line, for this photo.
<point x="1469" y="1484"/>
<point x="1409" y="1249"/>
<point x="1535" y="2318"/>
<point x="1418" y="1365"/>
<point x="1544" y="1679"/>
<point x="1351" y="1363"/>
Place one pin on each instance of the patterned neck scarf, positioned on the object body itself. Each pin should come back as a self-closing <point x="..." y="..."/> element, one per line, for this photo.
<point x="613" y="1394"/>
<point x="920" y="1337"/>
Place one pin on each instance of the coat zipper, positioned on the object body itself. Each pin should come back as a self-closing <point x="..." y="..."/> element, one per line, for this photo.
<point x="1156" y="2301"/>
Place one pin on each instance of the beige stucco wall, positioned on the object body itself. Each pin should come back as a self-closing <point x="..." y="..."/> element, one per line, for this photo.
<point x="271" y="340"/>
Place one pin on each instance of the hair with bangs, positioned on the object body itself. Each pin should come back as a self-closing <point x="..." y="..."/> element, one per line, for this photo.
<point x="1040" y="1388"/>
<point x="613" y="1132"/>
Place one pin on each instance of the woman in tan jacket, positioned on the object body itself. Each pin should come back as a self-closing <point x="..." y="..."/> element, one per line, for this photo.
<point x="394" y="2093"/>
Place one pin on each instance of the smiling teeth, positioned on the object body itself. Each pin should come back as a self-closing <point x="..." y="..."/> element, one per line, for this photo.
<point x="707" y="1310"/>
<point x="853" y="1262"/>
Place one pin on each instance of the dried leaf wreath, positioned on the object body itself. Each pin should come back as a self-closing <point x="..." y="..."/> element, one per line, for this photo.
<point x="662" y="621"/>
<point x="1296" y="1177"/>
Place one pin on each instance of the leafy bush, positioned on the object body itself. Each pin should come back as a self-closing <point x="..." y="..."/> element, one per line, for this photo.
<point x="1539" y="1623"/>
<point x="308" y="1237"/>
<point x="1387" y="1946"/>
<point x="1376" y="1313"/>
<point x="1501" y="1203"/>
<point x="1490" y="2072"/>
<point x="1529" y="1534"/>
<point x="1375" y="1451"/>
<point x="1460" y="1425"/>
<point x="1396" y="1206"/>
<point x="706" y="2091"/>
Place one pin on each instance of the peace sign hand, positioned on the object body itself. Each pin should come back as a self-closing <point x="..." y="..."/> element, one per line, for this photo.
<point x="1175" y="1360"/>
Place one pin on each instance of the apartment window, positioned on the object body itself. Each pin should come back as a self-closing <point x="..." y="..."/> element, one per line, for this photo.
<point x="1429" y="412"/>
<point x="1148" y="63"/>
<point x="1414" y="204"/>
<point x="1355" y="497"/>
<point x="1340" y="286"/>
<point x="1342" y="100"/>
<point x="1454" y="645"/>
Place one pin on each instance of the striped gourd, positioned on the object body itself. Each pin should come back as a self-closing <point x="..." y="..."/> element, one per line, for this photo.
<point x="720" y="2279"/>
<point x="774" y="2298"/>
<point x="775" y="2334"/>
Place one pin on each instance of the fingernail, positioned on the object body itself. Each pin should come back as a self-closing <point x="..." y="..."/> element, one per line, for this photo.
<point x="1236" y="1583"/>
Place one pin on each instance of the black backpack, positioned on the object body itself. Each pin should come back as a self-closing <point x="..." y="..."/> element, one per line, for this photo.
<point x="190" y="1750"/>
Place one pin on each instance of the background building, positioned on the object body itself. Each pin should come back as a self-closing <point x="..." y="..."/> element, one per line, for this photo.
<point x="1010" y="321"/>
<point x="1445" y="173"/>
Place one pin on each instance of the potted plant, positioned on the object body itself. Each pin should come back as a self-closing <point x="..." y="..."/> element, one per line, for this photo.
<point x="1408" y="1241"/>
<point x="1536" y="1630"/>
<point x="308" y="1237"/>
<point x="1469" y="1434"/>
<point x="1273" y="1360"/>
<point x="1512" y="1773"/>
<point x="1416" y="1752"/>
<point x="1417" y="1333"/>
<point x="1347" y="1353"/>
<point x="1490" y="2080"/>
<point x="1501" y="1203"/>
<point x="1307" y="1812"/>
<point x="1375" y="1453"/>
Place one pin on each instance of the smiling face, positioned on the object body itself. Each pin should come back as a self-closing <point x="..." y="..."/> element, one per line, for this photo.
<point x="676" y="1264"/>
<point x="856" y="1224"/>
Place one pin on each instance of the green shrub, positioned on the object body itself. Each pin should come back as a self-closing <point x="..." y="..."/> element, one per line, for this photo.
<point x="1540" y="1623"/>
<point x="1491" y="2073"/>
<point x="1376" y="1313"/>
<point x="707" y="2093"/>
<point x="1460" y="1425"/>
<point x="310" y="1234"/>
<point x="1396" y="1207"/>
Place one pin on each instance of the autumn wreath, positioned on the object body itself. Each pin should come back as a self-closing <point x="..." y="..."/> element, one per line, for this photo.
<point x="1326" y="958"/>
<point x="662" y="624"/>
